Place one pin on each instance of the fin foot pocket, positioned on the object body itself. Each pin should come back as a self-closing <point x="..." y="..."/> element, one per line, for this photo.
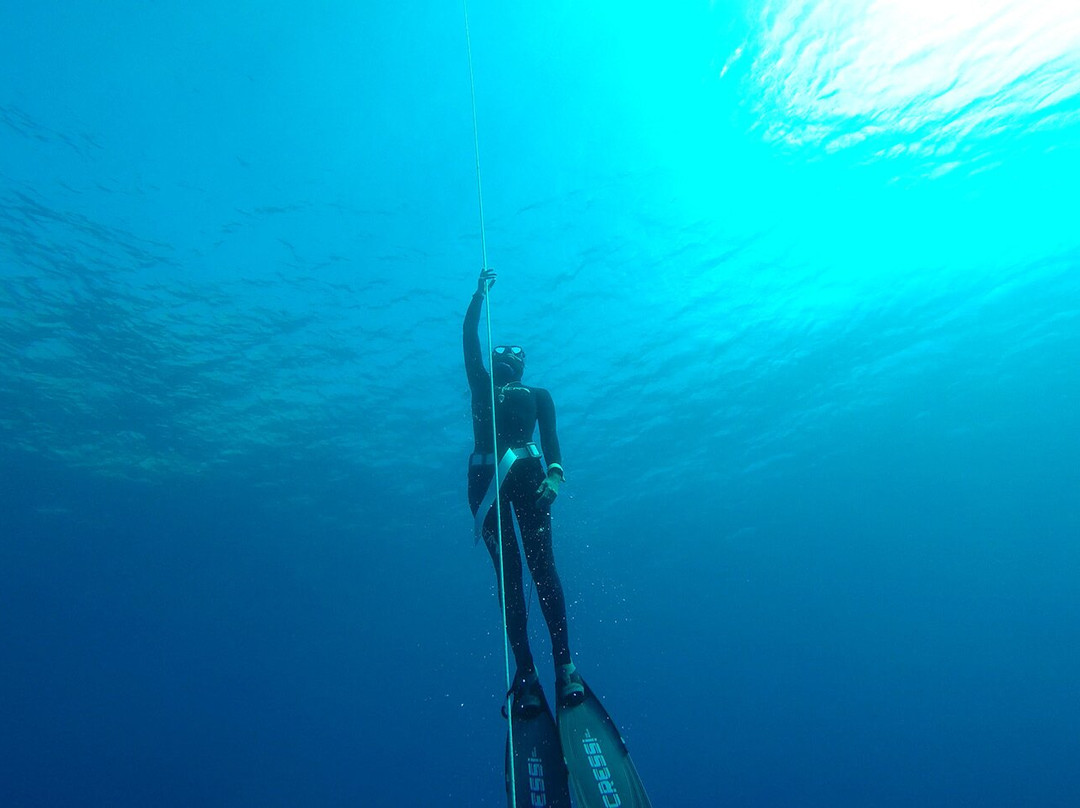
<point x="528" y="696"/>
<point x="571" y="687"/>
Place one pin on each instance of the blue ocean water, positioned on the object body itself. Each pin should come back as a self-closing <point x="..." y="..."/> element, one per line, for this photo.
<point x="802" y="276"/>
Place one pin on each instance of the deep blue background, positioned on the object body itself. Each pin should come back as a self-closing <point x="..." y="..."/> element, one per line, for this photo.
<point x="801" y="276"/>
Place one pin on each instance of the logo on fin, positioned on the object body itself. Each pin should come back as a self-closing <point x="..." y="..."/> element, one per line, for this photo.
<point x="595" y="754"/>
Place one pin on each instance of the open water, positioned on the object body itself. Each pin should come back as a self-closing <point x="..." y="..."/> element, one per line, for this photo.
<point x="802" y="276"/>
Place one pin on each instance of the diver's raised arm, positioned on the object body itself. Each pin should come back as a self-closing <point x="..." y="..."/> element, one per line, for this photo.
<point x="474" y="360"/>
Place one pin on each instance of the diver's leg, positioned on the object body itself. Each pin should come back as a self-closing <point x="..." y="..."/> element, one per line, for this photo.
<point x="479" y="480"/>
<point x="516" y="628"/>
<point x="535" y="524"/>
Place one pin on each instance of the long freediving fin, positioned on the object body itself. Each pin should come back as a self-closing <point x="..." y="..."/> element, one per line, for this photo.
<point x="602" y="775"/>
<point x="539" y="770"/>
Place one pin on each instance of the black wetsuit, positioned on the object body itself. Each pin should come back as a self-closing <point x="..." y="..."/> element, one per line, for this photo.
<point x="518" y="411"/>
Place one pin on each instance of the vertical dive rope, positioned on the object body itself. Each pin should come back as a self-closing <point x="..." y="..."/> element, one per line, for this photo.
<point x="494" y="428"/>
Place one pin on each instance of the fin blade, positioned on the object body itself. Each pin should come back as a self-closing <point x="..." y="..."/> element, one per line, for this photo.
<point x="539" y="768"/>
<point x="602" y="774"/>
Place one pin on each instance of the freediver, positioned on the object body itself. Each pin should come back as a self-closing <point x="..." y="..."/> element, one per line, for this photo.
<point x="526" y="487"/>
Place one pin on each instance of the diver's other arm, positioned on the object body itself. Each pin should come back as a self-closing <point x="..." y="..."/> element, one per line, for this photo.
<point x="549" y="441"/>
<point x="549" y="488"/>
